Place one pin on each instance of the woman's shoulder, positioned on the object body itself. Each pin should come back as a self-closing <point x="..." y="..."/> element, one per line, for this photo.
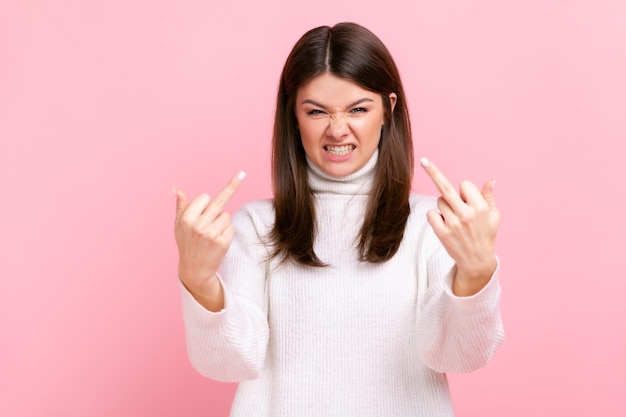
<point x="259" y="213"/>
<point x="261" y="207"/>
<point x="418" y="229"/>
<point x="422" y="203"/>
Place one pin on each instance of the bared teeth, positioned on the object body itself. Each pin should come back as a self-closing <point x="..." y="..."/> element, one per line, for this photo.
<point x="339" y="150"/>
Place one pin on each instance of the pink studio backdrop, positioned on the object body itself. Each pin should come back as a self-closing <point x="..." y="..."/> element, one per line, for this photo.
<point x="105" y="105"/>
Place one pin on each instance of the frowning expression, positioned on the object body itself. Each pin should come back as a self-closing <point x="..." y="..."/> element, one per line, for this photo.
<point x="340" y="123"/>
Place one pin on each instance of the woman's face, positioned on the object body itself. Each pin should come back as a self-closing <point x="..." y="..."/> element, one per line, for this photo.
<point x="339" y="123"/>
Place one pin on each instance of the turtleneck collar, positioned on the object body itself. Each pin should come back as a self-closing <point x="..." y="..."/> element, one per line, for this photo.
<point x="358" y="183"/>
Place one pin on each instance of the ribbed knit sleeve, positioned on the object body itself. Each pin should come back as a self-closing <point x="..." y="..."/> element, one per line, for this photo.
<point x="231" y="345"/>
<point x="457" y="334"/>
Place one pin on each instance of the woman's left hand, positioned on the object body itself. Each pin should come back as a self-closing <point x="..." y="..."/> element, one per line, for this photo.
<point x="466" y="223"/>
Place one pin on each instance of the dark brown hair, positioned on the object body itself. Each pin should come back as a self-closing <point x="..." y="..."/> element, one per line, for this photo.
<point x="352" y="52"/>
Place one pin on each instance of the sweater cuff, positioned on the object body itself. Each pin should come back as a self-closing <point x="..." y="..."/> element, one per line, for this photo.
<point x="197" y="313"/>
<point x="487" y="294"/>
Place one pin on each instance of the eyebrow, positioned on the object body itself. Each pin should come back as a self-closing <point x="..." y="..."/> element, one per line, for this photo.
<point x="356" y="103"/>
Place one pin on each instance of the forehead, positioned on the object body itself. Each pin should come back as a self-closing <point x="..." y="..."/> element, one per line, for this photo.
<point x="333" y="91"/>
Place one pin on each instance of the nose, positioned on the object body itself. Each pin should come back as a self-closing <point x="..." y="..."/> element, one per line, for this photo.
<point x="337" y="126"/>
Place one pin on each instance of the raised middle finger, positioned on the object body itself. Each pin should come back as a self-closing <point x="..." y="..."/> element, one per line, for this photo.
<point x="217" y="204"/>
<point x="447" y="190"/>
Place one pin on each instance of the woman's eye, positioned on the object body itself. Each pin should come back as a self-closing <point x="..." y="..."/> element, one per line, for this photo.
<point x="315" y="112"/>
<point x="359" y="110"/>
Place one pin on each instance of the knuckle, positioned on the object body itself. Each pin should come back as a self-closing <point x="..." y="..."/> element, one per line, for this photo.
<point x="226" y="217"/>
<point x="466" y="184"/>
<point x="211" y="234"/>
<point x="482" y="207"/>
<point x="467" y="217"/>
<point x="224" y="243"/>
<point x="187" y="222"/>
<point x="201" y="200"/>
<point x="463" y="221"/>
<point x="453" y="223"/>
<point x="457" y="229"/>
<point x="186" y="218"/>
<point x="444" y="233"/>
<point x="197" y="230"/>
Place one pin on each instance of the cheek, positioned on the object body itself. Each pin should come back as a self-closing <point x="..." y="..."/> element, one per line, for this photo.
<point x="369" y="129"/>
<point x="312" y="130"/>
<point x="307" y="137"/>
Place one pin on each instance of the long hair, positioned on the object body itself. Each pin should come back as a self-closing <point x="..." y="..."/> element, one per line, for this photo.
<point x="351" y="52"/>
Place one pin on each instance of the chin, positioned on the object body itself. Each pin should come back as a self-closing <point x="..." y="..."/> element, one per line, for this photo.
<point x="341" y="172"/>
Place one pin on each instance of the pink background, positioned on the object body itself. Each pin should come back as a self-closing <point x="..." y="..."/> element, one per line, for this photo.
<point x="105" y="105"/>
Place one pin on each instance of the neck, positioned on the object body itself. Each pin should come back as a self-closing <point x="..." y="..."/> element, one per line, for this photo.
<point x="358" y="183"/>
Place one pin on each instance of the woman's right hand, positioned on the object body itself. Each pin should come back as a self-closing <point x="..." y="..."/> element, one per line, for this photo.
<point x="203" y="234"/>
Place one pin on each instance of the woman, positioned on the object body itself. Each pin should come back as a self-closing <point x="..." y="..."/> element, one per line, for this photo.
<point x="345" y="295"/>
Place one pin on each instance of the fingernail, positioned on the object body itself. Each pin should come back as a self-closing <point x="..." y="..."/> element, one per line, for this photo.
<point x="174" y="190"/>
<point x="241" y="175"/>
<point x="424" y="162"/>
<point x="492" y="183"/>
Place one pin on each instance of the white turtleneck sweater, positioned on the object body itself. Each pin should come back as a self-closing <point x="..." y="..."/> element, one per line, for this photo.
<point x="351" y="339"/>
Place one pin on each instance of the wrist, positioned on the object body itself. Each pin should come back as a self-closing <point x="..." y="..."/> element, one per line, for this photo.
<point x="209" y="294"/>
<point x="469" y="281"/>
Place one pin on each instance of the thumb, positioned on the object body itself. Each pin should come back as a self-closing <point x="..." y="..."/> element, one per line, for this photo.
<point x="181" y="202"/>
<point x="487" y="193"/>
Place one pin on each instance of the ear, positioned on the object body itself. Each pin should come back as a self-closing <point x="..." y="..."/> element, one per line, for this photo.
<point x="393" y="98"/>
